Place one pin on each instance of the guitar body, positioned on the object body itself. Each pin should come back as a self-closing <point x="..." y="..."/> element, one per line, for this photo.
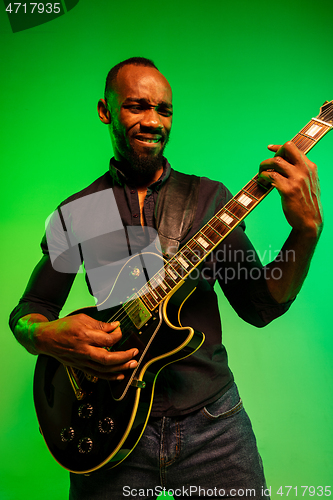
<point x="98" y="424"/>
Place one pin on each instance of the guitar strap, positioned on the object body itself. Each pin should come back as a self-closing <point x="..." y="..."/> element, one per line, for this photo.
<point x="175" y="210"/>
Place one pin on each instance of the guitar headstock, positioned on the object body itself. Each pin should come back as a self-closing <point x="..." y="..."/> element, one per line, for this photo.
<point x="326" y="112"/>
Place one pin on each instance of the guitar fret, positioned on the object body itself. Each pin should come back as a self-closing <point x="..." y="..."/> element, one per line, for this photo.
<point x="151" y="301"/>
<point x="202" y="248"/>
<point x="202" y="242"/>
<point x="241" y="205"/>
<point x="171" y="283"/>
<point x="215" y="231"/>
<point x="148" y="295"/>
<point x="229" y="212"/>
<point x="205" y="235"/>
<point x="311" y="134"/>
<point x="182" y="261"/>
<point x="237" y="209"/>
<point x="224" y="217"/>
<point x="173" y="273"/>
<point x="307" y="136"/>
<point x="262" y="187"/>
<point x="304" y="143"/>
<point x="194" y="255"/>
<point x="249" y="194"/>
<point x="145" y="301"/>
<point x="162" y="283"/>
<point x="157" y="287"/>
<point x="188" y="260"/>
<point x="152" y="292"/>
<point x="312" y="129"/>
<point x="180" y="265"/>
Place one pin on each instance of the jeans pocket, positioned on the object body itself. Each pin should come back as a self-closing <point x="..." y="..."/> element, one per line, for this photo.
<point x="226" y="406"/>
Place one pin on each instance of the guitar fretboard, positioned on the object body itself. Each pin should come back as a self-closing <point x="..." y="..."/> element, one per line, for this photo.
<point x="211" y="235"/>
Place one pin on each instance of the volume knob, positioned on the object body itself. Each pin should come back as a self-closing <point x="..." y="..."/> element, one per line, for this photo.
<point x="106" y="425"/>
<point x="67" y="434"/>
<point x="85" y="411"/>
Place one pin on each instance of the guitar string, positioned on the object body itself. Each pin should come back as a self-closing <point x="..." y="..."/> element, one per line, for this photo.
<point x="327" y="112"/>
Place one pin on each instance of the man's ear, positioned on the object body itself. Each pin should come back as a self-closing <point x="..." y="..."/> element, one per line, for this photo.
<point x="103" y="112"/>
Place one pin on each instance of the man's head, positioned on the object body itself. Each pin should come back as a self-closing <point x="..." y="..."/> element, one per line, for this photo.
<point x="111" y="78"/>
<point x="138" y="109"/>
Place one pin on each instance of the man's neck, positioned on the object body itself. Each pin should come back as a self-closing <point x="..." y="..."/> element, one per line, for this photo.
<point x="136" y="179"/>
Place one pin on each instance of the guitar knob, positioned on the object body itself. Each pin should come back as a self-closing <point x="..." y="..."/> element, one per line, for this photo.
<point x="67" y="434"/>
<point x="85" y="445"/>
<point x="106" y="425"/>
<point x="85" y="411"/>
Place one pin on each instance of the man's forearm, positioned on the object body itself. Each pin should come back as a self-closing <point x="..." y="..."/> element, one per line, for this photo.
<point x="285" y="275"/>
<point x="77" y="340"/>
<point x="26" y="330"/>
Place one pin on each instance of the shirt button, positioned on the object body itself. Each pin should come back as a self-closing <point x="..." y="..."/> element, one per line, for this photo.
<point x="135" y="215"/>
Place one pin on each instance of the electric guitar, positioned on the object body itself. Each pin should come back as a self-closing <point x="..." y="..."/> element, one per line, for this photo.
<point x="91" y="423"/>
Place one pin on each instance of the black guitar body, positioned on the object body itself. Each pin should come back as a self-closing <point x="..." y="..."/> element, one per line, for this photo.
<point x="89" y="424"/>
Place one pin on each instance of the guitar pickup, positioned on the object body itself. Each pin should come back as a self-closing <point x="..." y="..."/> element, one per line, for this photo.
<point x="137" y="312"/>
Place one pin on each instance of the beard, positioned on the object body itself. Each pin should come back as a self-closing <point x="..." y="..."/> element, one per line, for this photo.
<point x="138" y="168"/>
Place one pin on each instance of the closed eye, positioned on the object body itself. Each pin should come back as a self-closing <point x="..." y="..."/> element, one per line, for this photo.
<point x="134" y="108"/>
<point x="162" y="109"/>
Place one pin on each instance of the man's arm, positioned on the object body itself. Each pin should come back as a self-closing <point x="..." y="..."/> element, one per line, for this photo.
<point x="296" y="179"/>
<point x="76" y="340"/>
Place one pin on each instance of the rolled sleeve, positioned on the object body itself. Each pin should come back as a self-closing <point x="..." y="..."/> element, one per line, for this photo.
<point x="45" y="294"/>
<point x="242" y="279"/>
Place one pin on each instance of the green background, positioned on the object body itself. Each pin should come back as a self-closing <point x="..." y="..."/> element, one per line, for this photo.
<point x="244" y="74"/>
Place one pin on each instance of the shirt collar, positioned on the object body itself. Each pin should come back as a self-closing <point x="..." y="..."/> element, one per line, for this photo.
<point x="119" y="178"/>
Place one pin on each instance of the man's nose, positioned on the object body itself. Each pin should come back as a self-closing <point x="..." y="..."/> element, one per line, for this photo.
<point x="152" y="119"/>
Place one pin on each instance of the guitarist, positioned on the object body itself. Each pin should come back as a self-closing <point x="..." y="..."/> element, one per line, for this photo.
<point x="199" y="440"/>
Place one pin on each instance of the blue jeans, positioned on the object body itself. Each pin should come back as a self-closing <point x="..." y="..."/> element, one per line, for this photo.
<point x="209" y="453"/>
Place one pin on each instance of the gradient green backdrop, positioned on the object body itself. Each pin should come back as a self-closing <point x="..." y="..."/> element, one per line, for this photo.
<point x="244" y="74"/>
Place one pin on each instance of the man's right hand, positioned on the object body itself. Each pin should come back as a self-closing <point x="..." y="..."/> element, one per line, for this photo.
<point x="77" y="341"/>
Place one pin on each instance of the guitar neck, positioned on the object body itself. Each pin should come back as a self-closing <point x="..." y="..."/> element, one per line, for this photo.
<point x="226" y="220"/>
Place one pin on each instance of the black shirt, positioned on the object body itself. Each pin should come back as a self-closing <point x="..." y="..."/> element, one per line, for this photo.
<point x="90" y="226"/>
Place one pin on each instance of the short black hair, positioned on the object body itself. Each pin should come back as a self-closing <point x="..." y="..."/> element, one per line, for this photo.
<point x="112" y="75"/>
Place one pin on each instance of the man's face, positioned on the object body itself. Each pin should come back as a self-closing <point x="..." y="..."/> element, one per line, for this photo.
<point x="141" y="116"/>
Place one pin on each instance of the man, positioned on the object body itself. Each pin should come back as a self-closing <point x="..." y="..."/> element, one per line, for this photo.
<point x="198" y="436"/>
